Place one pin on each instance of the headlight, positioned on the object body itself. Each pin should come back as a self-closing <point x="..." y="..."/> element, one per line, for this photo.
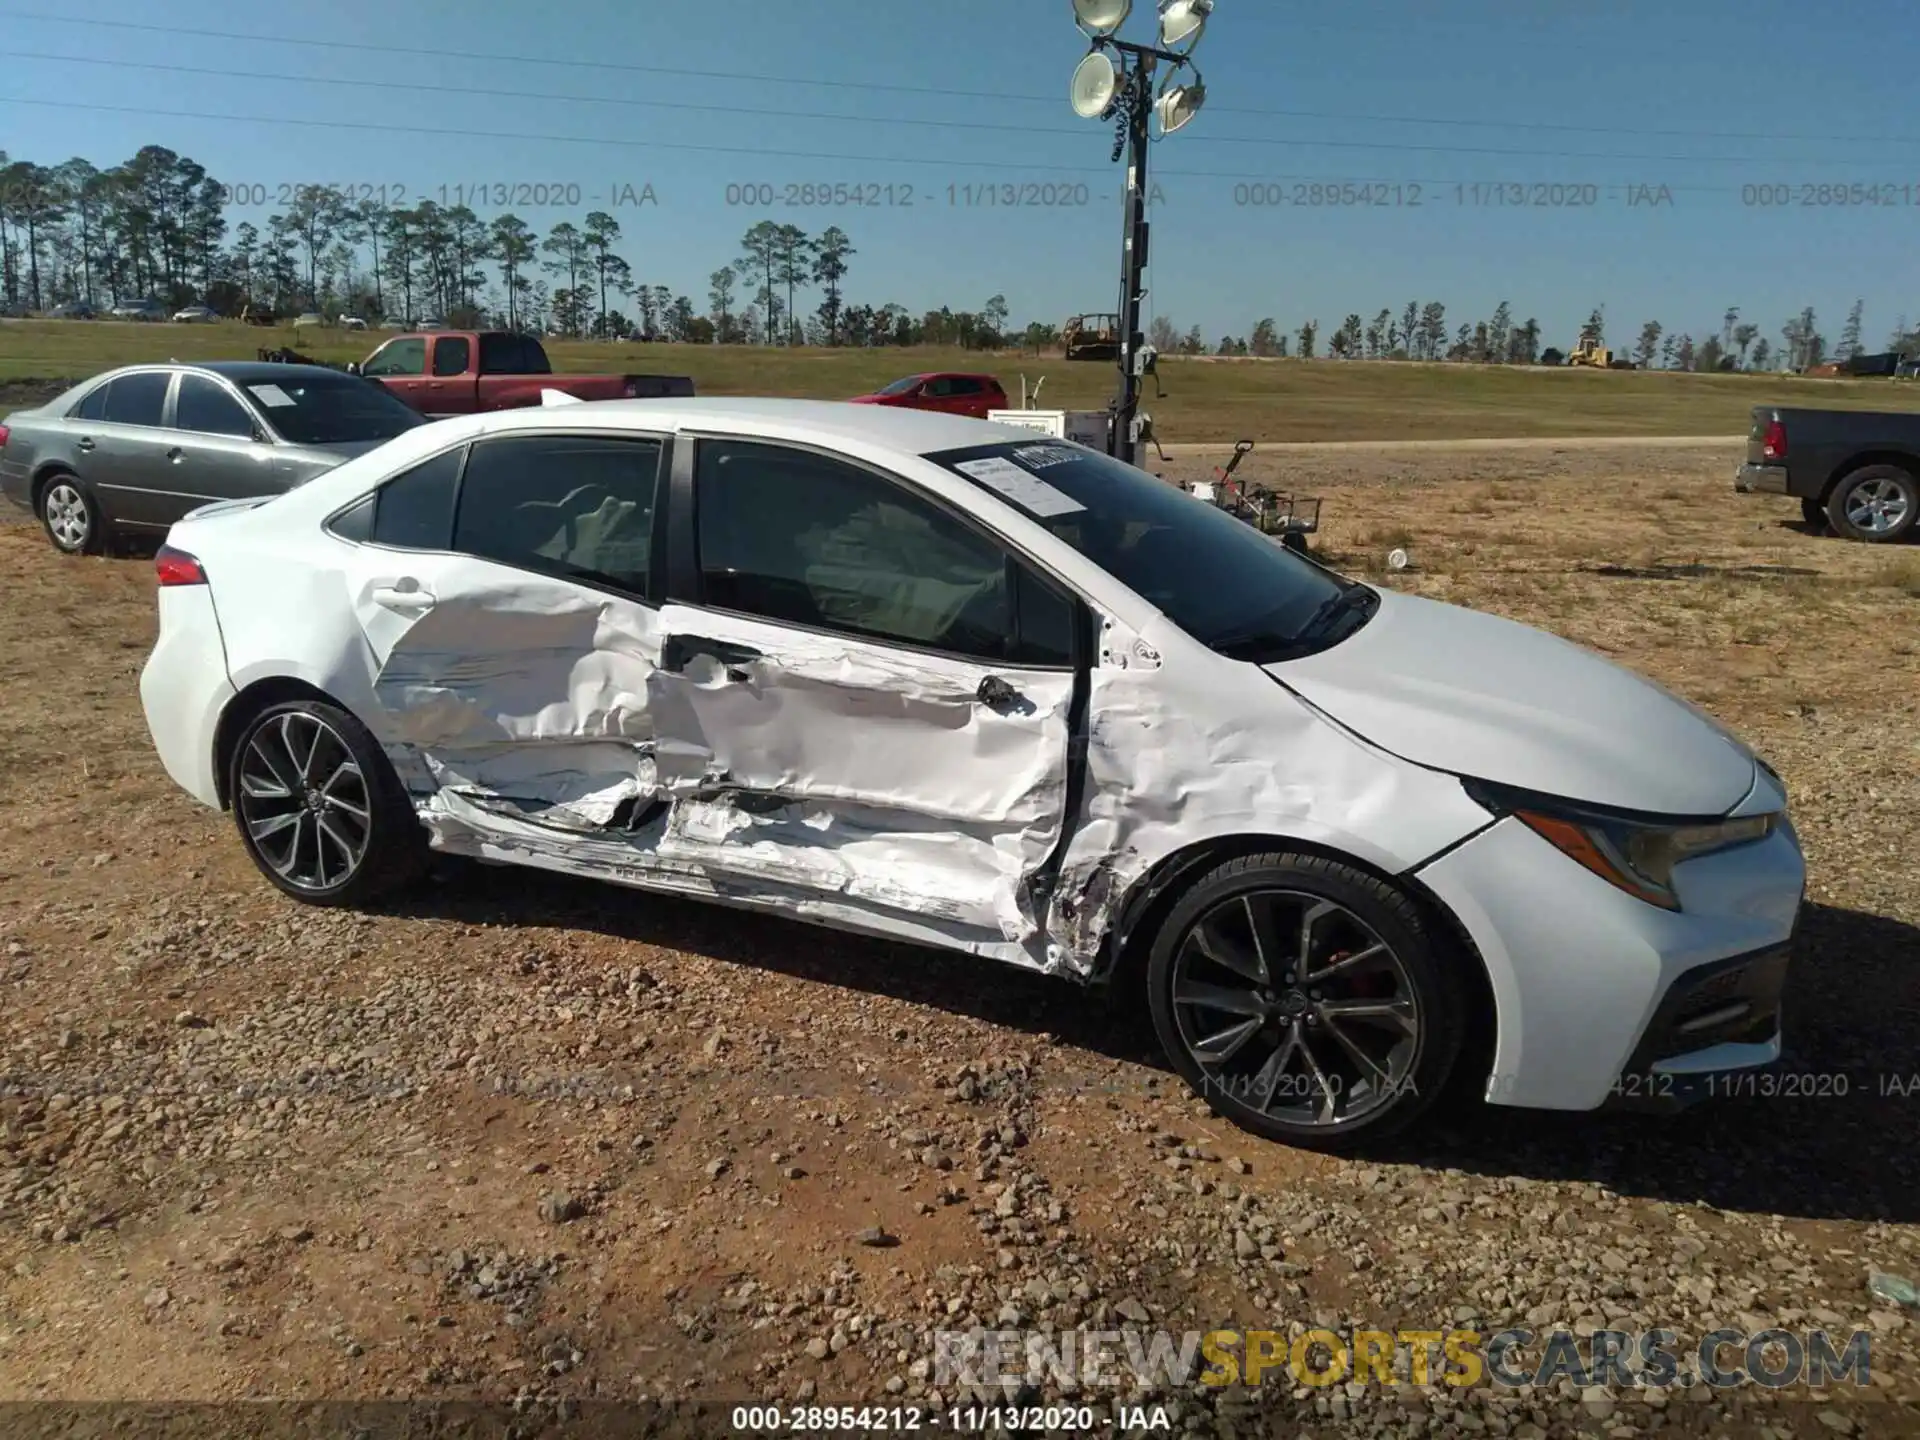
<point x="1637" y="853"/>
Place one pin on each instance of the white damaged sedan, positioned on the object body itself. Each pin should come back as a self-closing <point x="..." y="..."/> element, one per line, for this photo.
<point x="936" y="679"/>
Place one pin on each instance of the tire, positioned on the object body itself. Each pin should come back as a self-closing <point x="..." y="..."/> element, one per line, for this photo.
<point x="353" y="832"/>
<point x="1814" y="512"/>
<point x="71" y="516"/>
<point x="1879" y="504"/>
<point x="1207" y="946"/>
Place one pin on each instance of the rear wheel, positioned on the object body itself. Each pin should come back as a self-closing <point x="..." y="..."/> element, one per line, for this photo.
<point x="1305" y="1001"/>
<point x="1876" y="503"/>
<point x="319" y="808"/>
<point x="72" y="517"/>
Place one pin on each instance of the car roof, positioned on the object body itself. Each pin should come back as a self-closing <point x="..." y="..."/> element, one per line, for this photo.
<point x="259" y="372"/>
<point x="915" y="432"/>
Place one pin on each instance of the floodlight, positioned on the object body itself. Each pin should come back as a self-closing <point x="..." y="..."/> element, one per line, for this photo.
<point x="1178" y="104"/>
<point x="1095" y="82"/>
<point x="1181" y="22"/>
<point x="1101" y="17"/>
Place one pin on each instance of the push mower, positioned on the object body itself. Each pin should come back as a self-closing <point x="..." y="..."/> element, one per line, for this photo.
<point x="1290" y="517"/>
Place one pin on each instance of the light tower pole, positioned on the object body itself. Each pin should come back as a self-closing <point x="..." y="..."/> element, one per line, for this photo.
<point x="1125" y="94"/>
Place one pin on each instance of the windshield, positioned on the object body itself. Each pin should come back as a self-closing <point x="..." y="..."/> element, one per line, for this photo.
<point x="333" y="410"/>
<point x="902" y="387"/>
<point x="1217" y="578"/>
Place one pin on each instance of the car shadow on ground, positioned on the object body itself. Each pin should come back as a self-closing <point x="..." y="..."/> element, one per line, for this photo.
<point x="1831" y="1136"/>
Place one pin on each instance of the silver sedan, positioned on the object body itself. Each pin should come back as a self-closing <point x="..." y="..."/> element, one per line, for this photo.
<point x="135" y="449"/>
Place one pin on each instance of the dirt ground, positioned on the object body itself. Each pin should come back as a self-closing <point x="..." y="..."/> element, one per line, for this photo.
<point x="522" y="1136"/>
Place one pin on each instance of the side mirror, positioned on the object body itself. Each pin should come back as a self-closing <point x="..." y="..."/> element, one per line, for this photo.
<point x="353" y="367"/>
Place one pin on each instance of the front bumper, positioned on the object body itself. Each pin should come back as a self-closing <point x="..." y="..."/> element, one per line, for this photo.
<point x="1601" y="998"/>
<point x="1714" y="1022"/>
<point x="1760" y="480"/>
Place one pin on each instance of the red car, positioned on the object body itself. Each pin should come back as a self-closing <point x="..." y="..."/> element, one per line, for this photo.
<point x="948" y="392"/>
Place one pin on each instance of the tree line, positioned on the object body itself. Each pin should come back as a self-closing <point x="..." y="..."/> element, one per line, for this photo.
<point x="156" y="226"/>
<point x="1421" y="332"/>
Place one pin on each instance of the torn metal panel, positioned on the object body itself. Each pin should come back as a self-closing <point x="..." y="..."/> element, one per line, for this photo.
<point x="1181" y="752"/>
<point x="874" y="741"/>
<point x="710" y="873"/>
<point x="794" y="763"/>
<point x="532" y="697"/>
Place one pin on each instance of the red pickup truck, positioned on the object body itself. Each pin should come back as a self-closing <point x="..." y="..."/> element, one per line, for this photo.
<point x="460" y="372"/>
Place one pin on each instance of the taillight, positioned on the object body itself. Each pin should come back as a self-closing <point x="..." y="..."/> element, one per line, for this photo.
<point x="1773" y="442"/>
<point x="631" y="390"/>
<point x="177" y="567"/>
<point x="4" y="432"/>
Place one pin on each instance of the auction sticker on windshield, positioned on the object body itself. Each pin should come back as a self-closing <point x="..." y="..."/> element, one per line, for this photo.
<point x="1041" y="456"/>
<point x="1029" y="492"/>
<point x="272" y="395"/>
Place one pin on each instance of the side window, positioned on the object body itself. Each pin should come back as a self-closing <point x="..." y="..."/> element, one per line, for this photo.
<point x="138" y="399"/>
<point x="356" y="522"/>
<point x="415" y="510"/>
<point x="533" y="357"/>
<point x="1047" y="619"/>
<point x="499" y="354"/>
<point x="94" y="406"/>
<point x="575" y="506"/>
<point x="407" y="356"/>
<point x="200" y="404"/>
<point x="807" y="540"/>
<point x="963" y="385"/>
<point x="451" y="354"/>
<point x="940" y="388"/>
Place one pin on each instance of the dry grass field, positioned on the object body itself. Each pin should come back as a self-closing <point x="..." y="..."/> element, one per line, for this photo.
<point x="1206" y="400"/>
<point x="520" y="1136"/>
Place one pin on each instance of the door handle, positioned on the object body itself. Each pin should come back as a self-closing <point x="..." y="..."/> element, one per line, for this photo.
<point x="995" y="693"/>
<point x="176" y="454"/>
<point x="676" y="650"/>
<point x="84" y="443"/>
<point x="406" y="595"/>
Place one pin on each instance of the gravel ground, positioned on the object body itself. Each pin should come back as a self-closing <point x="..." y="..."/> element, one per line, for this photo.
<point x="524" y="1137"/>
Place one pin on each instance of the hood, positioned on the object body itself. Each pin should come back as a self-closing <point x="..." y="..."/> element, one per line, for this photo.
<point x="1476" y="695"/>
<point x="867" y="399"/>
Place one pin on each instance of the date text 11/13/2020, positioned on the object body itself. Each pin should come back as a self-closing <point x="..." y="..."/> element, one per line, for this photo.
<point x="496" y="194"/>
<point x="973" y="195"/>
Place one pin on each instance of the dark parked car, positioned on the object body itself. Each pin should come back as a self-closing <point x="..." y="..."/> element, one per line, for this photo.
<point x="135" y="449"/>
<point x="1856" y="470"/>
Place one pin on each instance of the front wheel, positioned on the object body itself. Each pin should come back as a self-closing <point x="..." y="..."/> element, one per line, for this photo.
<point x="1305" y="1001"/>
<point x="1876" y="503"/>
<point x="319" y="808"/>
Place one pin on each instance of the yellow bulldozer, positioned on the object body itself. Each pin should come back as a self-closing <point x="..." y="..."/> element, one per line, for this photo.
<point x="1591" y="353"/>
<point x="1091" y="337"/>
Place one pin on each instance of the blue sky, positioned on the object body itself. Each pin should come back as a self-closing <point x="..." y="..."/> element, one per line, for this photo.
<point x="1702" y="97"/>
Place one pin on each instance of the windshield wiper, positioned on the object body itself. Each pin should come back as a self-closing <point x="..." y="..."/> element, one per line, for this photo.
<point x="1352" y="600"/>
<point x="1263" y="644"/>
